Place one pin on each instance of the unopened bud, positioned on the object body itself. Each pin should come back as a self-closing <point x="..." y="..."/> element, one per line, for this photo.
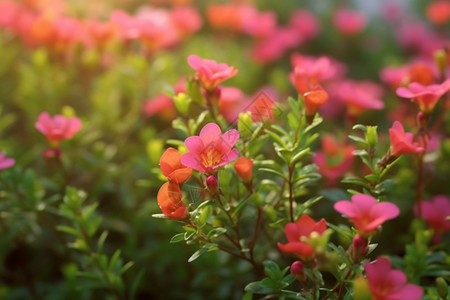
<point x="53" y="153"/>
<point x="244" y="168"/>
<point x="371" y="136"/>
<point x="245" y="124"/>
<point x="442" y="287"/>
<point x="182" y="103"/>
<point x="441" y="57"/>
<point x="212" y="183"/>
<point x="359" y="248"/>
<point x="361" y="289"/>
<point x="298" y="270"/>
<point x="194" y="91"/>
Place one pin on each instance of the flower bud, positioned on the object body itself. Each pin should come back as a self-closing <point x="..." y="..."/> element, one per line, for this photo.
<point x="359" y="248"/>
<point x="194" y="92"/>
<point x="361" y="289"/>
<point x="244" y="168"/>
<point x="372" y="136"/>
<point x="313" y="100"/>
<point x="53" y="153"/>
<point x="442" y="287"/>
<point x="212" y="183"/>
<point x="182" y="103"/>
<point x="298" y="270"/>
<point x="245" y="124"/>
<point x="441" y="57"/>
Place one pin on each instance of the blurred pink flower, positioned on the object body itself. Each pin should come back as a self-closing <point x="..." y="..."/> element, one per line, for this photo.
<point x="359" y="96"/>
<point x="349" y="22"/>
<point x="210" y="150"/>
<point x="388" y="284"/>
<point x="186" y="19"/>
<point x="304" y="22"/>
<point x="230" y="102"/>
<point x="259" y="24"/>
<point x="302" y="228"/>
<point x="366" y="213"/>
<point x="436" y="213"/>
<point x="99" y="34"/>
<point x="334" y="159"/>
<point x="58" y="128"/>
<point x="275" y="45"/>
<point x="161" y="105"/>
<point x="394" y="76"/>
<point x="425" y="96"/>
<point x="6" y="162"/>
<point x="209" y="72"/>
<point x="401" y="142"/>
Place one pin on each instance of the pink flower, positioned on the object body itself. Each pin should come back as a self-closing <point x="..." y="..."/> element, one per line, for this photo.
<point x="305" y="22"/>
<point x="303" y="228"/>
<point x="394" y="76"/>
<point x="161" y="105"/>
<point x="436" y="212"/>
<point x="366" y="213"/>
<point x="349" y="22"/>
<point x="6" y="162"/>
<point x="334" y="159"/>
<point x="359" y="96"/>
<point x="425" y="96"/>
<point x="186" y="19"/>
<point x="58" y="128"/>
<point x="401" y="142"/>
<point x="275" y="45"/>
<point x="388" y="284"/>
<point x="210" y="150"/>
<point x="209" y="72"/>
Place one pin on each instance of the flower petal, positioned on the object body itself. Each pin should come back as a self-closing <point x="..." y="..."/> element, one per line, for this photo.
<point x="193" y="161"/>
<point x="210" y="133"/>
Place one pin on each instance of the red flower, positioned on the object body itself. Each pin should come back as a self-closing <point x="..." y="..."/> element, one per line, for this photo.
<point x="172" y="167"/>
<point x="209" y="72"/>
<point x="401" y="142"/>
<point x="438" y="12"/>
<point x="304" y="227"/>
<point x="425" y="96"/>
<point x="169" y="200"/>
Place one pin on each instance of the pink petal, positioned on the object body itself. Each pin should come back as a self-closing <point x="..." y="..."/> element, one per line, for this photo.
<point x="409" y="291"/>
<point x="230" y="138"/>
<point x="377" y="270"/>
<point x="194" y="144"/>
<point x="396" y="279"/>
<point x="192" y="161"/>
<point x="385" y="209"/>
<point x="44" y="123"/>
<point x="6" y="163"/>
<point x="405" y="93"/>
<point x="74" y="125"/>
<point x="363" y="203"/>
<point x="194" y="61"/>
<point x="210" y="133"/>
<point x="346" y="208"/>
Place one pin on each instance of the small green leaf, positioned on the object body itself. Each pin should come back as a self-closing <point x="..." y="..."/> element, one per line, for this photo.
<point x="179" y="237"/>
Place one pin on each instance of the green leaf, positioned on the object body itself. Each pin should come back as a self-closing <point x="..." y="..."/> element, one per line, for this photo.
<point x="253" y="197"/>
<point x="272" y="270"/>
<point x="355" y="180"/>
<point x="257" y="288"/>
<point x="357" y="139"/>
<point x="276" y="138"/>
<point x="247" y="296"/>
<point x="273" y="172"/>
<point x="69" y="230"/>
<point x="206" y="248"/>
<point x="179" y="237"/>
<point x="299" y="155"/>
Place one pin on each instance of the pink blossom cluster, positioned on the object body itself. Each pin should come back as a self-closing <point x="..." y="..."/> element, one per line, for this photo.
<point x="154" y="28"/>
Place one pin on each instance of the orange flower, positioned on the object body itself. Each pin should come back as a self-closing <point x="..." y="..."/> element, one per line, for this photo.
<point x="172" y="167"/>
<point x="169" y="200"/>
<point x="314" y="99"/>
<point x="244" y="168"/>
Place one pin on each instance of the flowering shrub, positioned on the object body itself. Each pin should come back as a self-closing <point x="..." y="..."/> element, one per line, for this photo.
<point x="218" y="150"/>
